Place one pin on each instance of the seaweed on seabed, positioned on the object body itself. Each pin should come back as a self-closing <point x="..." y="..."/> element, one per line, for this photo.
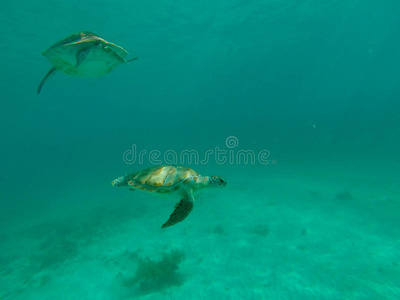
<point x="156" y="275"/>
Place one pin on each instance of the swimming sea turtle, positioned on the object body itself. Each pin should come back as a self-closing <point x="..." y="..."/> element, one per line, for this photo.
<point x="84" y="54"/>
<point x="171" y="180"/>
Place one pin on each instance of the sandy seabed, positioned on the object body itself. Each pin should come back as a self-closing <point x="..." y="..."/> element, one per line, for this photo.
<point x="275" y="234"/>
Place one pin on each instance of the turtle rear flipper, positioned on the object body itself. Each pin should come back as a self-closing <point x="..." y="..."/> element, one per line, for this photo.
<point x="120" y="181"/>
<point x="181" y="211"/>
<point x="49" y="73"/>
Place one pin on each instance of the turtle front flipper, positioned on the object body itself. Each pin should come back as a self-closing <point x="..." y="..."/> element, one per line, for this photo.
<point x="49" y="73"/>
<point x="181" y="211"/>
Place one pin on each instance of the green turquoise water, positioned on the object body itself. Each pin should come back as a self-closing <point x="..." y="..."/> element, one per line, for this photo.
<point x="295" y="103"/>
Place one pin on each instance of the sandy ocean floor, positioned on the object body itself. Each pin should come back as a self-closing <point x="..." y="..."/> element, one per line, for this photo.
<point x="308" y="233"/>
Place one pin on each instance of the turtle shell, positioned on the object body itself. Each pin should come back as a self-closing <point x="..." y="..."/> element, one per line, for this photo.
<point x="101" y="59"/>
<point x="160" y="179"/>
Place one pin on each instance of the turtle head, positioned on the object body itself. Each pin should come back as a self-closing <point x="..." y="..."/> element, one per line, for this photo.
<point x="216" y="181"/>
<point x="120" y="181"/>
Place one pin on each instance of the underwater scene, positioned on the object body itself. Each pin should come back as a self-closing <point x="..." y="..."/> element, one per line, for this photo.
<point x="200" y="149"/>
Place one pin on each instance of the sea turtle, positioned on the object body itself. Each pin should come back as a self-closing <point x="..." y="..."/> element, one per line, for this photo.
<point x="168" y="180"/>
<point x="84" y="54"/>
